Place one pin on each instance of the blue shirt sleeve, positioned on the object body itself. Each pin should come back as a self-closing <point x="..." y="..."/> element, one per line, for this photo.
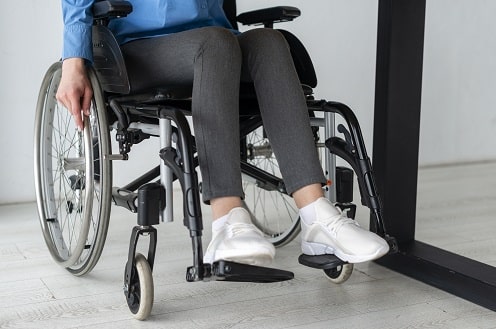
<point x="78" y="18"/>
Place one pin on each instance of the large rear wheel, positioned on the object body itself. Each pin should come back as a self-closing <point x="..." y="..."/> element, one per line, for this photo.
<point x="73" y="177"/>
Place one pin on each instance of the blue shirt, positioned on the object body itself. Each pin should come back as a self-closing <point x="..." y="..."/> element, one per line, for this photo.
<point x="149" y="18"/>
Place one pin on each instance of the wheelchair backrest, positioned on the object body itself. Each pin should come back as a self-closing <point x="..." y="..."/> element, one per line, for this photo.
<point x="230" y="10"/>
<point x="301" y="58"/>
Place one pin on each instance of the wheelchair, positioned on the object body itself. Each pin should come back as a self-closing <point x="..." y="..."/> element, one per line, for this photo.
<point x="73" y="169"/>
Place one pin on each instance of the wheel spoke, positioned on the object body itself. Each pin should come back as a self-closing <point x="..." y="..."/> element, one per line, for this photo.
<point x="272" y="209"/>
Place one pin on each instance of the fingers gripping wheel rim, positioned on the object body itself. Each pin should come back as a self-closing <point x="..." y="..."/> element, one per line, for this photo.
<point x="140" y="299"/>
<point x="339" y="274"/>
<point x="272" y="211"/>
<point x="72" y="177"/>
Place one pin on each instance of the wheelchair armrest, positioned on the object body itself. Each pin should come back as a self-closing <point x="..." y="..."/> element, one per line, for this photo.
<point x="111" y="8"/>
<point x="269" y="16"/>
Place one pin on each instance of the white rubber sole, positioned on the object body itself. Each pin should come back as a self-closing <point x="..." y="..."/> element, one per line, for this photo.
<point x="314" y="249"/>
<point x="249" y="257"/>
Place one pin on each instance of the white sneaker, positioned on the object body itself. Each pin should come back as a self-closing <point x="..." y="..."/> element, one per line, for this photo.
<point x="334" y="233"/>
<point x="239" y="241"/>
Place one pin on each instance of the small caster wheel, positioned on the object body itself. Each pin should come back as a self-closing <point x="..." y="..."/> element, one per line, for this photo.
<point x="340" y="273"/>
<point x="140" y="300"/>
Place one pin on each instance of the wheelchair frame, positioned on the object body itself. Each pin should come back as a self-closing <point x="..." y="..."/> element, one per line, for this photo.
<point x="162" y="114"/>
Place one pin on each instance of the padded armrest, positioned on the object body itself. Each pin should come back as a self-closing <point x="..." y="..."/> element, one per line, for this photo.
<point x="269" y="15"/>
<point x="111" y="8"/>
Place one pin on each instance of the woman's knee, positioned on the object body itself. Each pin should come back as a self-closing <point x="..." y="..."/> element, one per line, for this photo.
<point x="221" y="41"/>
<point x="264" y="39"/>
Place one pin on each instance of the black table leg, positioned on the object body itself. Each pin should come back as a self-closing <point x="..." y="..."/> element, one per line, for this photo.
<point x="400" y="47"/>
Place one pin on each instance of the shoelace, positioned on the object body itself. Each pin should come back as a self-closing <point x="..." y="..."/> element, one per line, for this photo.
<point x="239" y="228"/>
<point x="335" y="223"/>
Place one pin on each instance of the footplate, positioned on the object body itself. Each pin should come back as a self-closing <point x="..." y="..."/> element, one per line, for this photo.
<point x="323" y="262"/>
<point x="236" y="272"/>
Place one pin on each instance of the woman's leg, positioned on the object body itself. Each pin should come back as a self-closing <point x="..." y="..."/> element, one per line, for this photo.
<point x="210" y="60"/>
<point x="268" y="63"/>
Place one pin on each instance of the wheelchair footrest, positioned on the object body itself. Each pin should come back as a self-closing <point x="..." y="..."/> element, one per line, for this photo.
<point x="231" y="271"/>
<point x="323" y="262"/>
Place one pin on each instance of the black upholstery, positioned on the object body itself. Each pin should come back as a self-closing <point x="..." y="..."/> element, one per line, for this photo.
<point x="113" y="8"/>
<point x="301" y="58"/>
<point x="269" y="16"/>
<point x="230" y="10"/>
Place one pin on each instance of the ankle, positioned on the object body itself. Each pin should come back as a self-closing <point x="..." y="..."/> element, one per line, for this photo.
<point x="223" y="205"/>
<point x="307" y="195"/>
<point x="320" y="209"/>
<point x="308" y="213"/>
<point x="219" y="223"/>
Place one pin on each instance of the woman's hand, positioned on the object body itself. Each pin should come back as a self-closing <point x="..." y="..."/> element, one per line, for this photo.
<point x="75" y="90"/>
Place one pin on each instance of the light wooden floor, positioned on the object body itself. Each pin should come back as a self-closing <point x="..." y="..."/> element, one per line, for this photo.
<point x="456" y="209"/>
<point x="37" y="293"/>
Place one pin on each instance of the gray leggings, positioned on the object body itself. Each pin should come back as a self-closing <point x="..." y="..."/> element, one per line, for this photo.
<point x="215" y="60"/>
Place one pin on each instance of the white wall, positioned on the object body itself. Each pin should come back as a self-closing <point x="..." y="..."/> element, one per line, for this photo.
<point x="458" y="118"/>
<point x="340" y="35"/>
<point x="30" y="37"/>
